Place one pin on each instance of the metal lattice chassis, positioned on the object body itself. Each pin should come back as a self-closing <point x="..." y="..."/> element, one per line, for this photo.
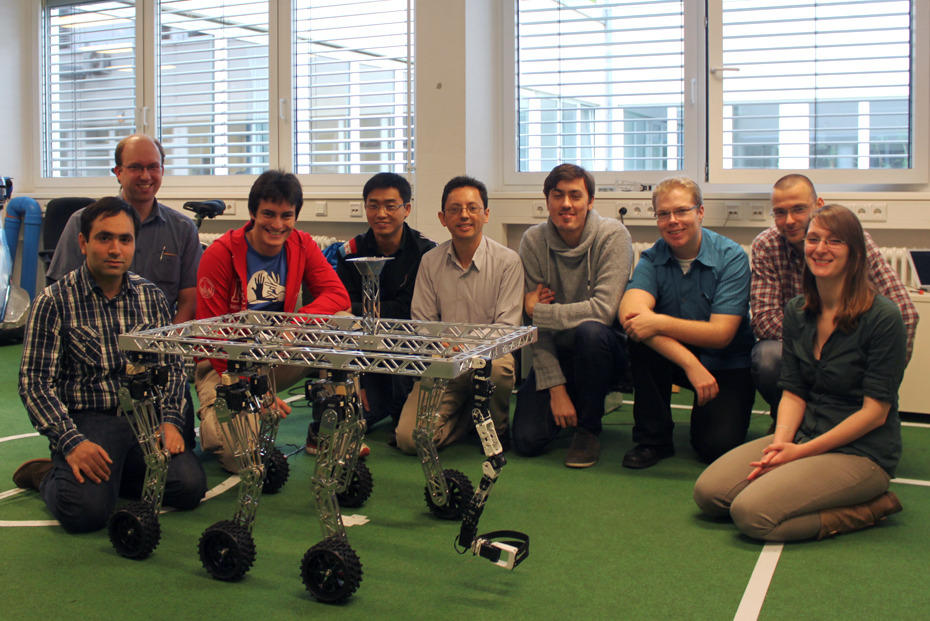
<point x="433" y="351"/>
<point x="400" y="347"/>
<point x="134" y="529"/>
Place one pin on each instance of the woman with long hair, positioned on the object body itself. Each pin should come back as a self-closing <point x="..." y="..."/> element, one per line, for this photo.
<point x="837" y="441"/>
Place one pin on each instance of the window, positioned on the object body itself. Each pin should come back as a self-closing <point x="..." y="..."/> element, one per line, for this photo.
<point x="353" y="86"/>
<point x="806" y="84"/>
<point x="228" y="93"/>
<point x="88" y="90"/>
<point x="724" y="90"/>
<point x="599" y="83"/>
<point x="213" y="86"/>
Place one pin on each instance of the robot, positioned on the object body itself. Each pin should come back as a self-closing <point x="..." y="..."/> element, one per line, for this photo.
<point x="346" y="346"/>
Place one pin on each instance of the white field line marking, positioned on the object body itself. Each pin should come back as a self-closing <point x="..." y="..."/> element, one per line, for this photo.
<point x="10" y="493"/>
<point x="922" y="425"/>
<point x="911" y="482"/>
<point x="11" y="523"/>
<point x="19" y="437"/>
<point x="754" y="595"/>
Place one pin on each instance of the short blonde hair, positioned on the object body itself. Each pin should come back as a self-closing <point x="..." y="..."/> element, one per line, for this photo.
<point x="671" y="183"/>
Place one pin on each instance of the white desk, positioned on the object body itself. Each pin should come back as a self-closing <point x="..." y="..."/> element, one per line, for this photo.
<point x="914" y="394"/>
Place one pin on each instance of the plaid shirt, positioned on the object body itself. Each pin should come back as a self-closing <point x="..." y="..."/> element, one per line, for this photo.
<point x="70" y="358"/>
<point x="777" y="267"/>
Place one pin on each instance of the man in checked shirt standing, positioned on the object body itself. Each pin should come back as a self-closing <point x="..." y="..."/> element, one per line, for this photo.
<point x="777" y="266"/>
<point x="71" y="372"/>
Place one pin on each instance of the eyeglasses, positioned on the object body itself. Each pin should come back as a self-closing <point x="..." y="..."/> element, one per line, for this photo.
<point x="473" y="210"/>
<point x="831" y="242"/>
<point x="680" y="213"/>
<point x="797" y="210"/>
<point x="137" y="169"/>
<point x="388" y="207"/>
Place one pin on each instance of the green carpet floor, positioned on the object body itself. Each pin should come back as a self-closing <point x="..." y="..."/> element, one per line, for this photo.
<point x="606" y="543"/>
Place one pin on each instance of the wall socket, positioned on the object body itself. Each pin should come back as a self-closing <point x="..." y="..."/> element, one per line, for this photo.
<point x="539" y="209"/>
<point x="872" y="212"/>
<point x="355" y="210"/>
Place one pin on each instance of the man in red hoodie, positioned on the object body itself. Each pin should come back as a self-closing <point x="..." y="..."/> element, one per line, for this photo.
<point x="261" y="266"/>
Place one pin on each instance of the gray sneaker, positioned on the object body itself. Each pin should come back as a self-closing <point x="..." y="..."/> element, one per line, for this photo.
<point x="584" y="451"/>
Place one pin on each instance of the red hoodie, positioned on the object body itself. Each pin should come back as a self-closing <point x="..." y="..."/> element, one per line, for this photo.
<point x="222" y="278"/>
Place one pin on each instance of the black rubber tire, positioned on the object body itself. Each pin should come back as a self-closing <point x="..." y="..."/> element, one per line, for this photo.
<point x="460" y="493"/>
<point x="226" y="551"/>
<point x="134" y="530"/>
<point x="276" y="472"/>
<point x="359" y="488"/>
<point x="331" y="570"/>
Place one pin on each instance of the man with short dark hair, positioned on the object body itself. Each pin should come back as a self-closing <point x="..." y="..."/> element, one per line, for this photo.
<point x="167" y="248"/>
<point x="777" y="266"/>
<point x="70" y="375"/>
<point x="261" y="266"/>
<point x="386" y="199"/>
<point x="468" y="279"/>
<point x="686" y="311"/>
<point x="576" y="265"/>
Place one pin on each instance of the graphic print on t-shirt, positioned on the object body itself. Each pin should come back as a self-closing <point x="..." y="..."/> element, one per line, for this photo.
<point x="265" y="288"/>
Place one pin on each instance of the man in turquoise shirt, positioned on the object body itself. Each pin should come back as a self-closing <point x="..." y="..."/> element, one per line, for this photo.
<point x="686" y="312"/>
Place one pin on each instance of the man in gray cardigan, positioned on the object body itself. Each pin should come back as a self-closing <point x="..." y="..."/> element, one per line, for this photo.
<point x="576" y="265"/>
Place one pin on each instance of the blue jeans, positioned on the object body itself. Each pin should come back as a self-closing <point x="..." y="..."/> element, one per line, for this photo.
<point x="86" y="507"/>
<point x="592" y="357"/>
<point x="766" y="369"/>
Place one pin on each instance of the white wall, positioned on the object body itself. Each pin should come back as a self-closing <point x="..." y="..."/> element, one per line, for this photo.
<point x="15" y="78"/>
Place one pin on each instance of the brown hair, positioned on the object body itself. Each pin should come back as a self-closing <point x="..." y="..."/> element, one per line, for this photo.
<point x="858" y="291"/>
<point x="568" y="172"/>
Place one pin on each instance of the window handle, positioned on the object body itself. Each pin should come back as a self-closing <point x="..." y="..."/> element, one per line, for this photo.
<point x="719" y="70"/>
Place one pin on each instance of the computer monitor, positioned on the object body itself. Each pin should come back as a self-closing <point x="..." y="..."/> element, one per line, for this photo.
<point x="920" y="266"/>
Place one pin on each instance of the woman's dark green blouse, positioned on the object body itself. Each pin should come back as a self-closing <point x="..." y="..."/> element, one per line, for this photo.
<point x="869" y="362"/>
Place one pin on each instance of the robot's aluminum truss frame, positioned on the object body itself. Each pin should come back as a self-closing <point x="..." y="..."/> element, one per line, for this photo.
<point x="400" y="347"/>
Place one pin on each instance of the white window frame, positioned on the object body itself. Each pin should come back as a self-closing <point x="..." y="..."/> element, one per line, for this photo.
<point x="920" y="128"/>
<point x="280" y="112"/>
<point x="703" y="115"/>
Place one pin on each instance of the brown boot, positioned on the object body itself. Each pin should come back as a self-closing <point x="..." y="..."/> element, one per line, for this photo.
<point x="848" y="519"/>
<point x="30" y="474"/>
